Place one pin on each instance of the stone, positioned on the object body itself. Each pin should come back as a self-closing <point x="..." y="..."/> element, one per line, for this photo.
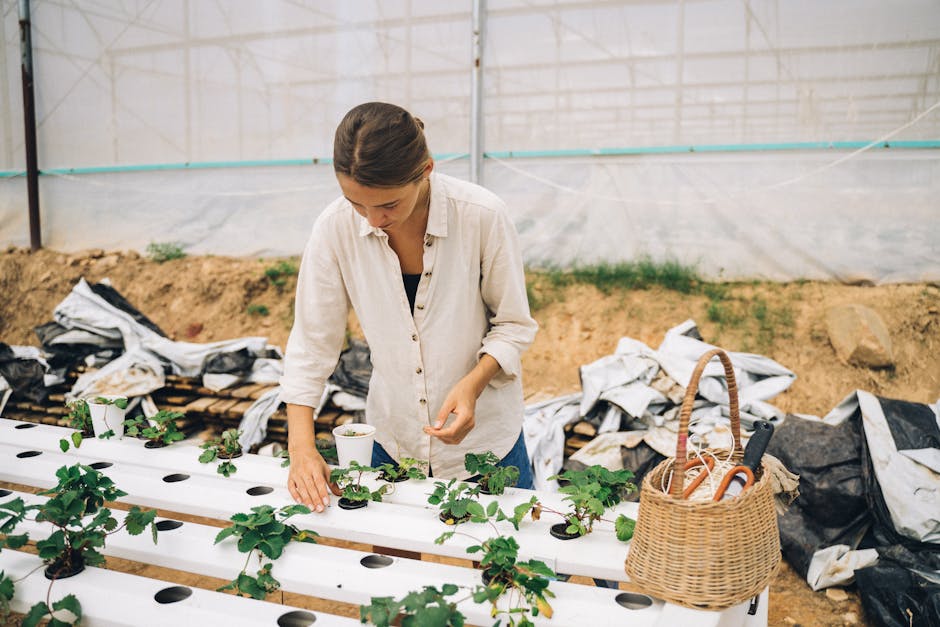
<point x="836" y="594"/>
<point x="859" y="336"/>
<point x="850" y="618"/>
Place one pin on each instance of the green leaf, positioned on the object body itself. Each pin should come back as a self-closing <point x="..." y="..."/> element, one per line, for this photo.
<point x="77" y="438"/>
<point x="491" y="509"/>
<point x="207" y="456"/>
<point x="6" y="588"/>
<point x="476" y="510"/>
<point x="625" y="527"/>
<point x="36" y="613"/>
<point x="137" y="520"/>
<point x="64" y="445"/>
<point x="228" y="531"/>
<point x="121" y="403"/>
<point x="14" y="542"/>
<point x="70" y="603"/>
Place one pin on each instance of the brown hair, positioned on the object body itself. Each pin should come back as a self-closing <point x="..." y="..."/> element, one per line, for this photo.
<point x="380" y="145"/>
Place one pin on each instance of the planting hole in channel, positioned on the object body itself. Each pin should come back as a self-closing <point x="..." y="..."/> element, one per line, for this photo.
<point x="3" y="493"/>
<point x="174" y="478"/>
<point x="297" y="618"/>
<point x="172" y="594"/>
<point x="100" y="465"/>
<point x="167" y="525"/>
<point x="633" y="601"/>
<point x="26" y="454"/>
<point x="259" y="490"/>
<point x="27" y="425"/>
<point x="376" y="561"/>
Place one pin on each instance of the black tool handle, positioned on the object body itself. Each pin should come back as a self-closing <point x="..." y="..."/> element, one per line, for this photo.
<point x="757" y="444"/>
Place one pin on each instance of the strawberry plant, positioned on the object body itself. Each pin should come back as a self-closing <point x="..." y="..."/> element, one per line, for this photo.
<point x="225" y="448"/>
<point x="590" y="492"/>
<point x="525" y="582"/>
<point x="349" y="480"/>
<point x="407" y="468"/>
<point x="416" y="609"/>
<point x="81" y="526"/>
<point x="457" y="502"/>
<point x="159" y="430"/>
<point x="493" y="478"/>
<point x="263" y="530"/>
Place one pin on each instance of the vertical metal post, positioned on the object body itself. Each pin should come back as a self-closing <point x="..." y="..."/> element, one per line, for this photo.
<point x="476" y="94"/>
<point x="29" y="121"/>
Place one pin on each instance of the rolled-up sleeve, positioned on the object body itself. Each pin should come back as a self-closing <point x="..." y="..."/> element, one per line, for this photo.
<point x="321" y="307"/>
<point x="503" y="288"/>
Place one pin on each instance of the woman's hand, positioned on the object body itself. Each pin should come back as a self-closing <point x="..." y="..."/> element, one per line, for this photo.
<point x="462" y="401"/>
<point x="309" y="479"/>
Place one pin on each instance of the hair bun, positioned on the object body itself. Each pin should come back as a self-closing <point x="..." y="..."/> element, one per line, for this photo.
<point x="420" y="123"/>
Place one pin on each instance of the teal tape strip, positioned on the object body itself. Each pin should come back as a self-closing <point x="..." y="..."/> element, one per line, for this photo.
<point x="507" y="154"/>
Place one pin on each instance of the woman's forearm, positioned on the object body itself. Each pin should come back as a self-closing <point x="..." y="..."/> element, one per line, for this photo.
<point x="300" y="430"/>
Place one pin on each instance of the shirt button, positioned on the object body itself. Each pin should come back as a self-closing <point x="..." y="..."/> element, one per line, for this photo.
<point x="414" y="337"/>
<point x="419" y="370"/>
<point x="428" y="273"/>
<point x="420" y="306"/>
<point x="422" y="401"/>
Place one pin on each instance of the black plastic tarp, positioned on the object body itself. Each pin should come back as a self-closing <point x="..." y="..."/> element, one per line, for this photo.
<point x="25" y="376"/>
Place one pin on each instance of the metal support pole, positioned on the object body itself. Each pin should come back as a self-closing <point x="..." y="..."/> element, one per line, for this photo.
<point x="29" y="121"/>
<point x="476" y="94"/>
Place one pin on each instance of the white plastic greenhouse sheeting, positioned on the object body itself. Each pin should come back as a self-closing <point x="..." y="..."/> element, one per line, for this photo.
<point x="342" y="578"/>
<point x="127" y="83"/>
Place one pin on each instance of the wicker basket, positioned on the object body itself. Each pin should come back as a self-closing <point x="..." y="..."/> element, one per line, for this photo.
<point x="704" y="554"/>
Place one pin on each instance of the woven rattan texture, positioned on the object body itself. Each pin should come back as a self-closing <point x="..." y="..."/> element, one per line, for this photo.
<point x="704" y="554"/>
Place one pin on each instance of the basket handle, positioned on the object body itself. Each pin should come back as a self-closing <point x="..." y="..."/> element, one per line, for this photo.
<point x="737" y="453"/>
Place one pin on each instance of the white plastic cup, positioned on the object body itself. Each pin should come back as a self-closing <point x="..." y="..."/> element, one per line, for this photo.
<point x="356" y="447"/>
<point x="106" y="417"/>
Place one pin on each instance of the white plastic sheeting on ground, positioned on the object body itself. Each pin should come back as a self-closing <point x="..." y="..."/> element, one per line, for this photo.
<point x="631" y="388"/>
<point x="140" y="369"/>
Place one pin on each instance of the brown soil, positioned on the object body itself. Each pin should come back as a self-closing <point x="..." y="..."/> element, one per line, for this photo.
<point x="203" y="299"/>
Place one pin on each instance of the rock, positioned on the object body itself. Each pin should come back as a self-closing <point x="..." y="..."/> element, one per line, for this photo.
<point x="836" y="594"/>
<point x="859" y="336"/>
<point x="789" y="621"/>
<point x="108" y="261"/>
<point x="850" y="618"/>
<point x="131" y="254"/>
<point x="859" y="280"/>
<point x="95" y="253"/>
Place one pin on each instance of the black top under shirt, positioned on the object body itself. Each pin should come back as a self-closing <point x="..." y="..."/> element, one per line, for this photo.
<point x="411" y="288"/>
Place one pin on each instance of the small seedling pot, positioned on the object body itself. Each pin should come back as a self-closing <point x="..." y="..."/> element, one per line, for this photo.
<point x="227" y="457"/>
<point x="354" y="443"/>
<point x="345" y="503"/>
<point x="106" y="418"/>
<point x="154" y="444"/>
<point x="60" y="570"/>
<point x="558" y="530"/>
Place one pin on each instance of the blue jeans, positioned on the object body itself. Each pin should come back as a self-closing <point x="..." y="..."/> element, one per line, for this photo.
<point x="518" y="456"/>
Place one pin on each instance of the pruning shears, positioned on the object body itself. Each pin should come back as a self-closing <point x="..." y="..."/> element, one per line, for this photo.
<point x="741" y="477"/>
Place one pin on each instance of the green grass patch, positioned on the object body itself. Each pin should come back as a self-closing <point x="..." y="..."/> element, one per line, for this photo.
<point x="254" y="309"/>
<point x="544" y="286"/>
<point x="165" y="251"/>
<point x="278" y="273"/>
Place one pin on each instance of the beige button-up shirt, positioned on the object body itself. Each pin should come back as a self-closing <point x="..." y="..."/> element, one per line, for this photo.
<point x="471" y="300"/>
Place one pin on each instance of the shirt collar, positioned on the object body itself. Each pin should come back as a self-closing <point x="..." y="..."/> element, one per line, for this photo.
<point x="437" y="213"/>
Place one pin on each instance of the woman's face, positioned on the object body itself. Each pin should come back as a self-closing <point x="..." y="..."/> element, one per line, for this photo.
<point x="386" y="208"/>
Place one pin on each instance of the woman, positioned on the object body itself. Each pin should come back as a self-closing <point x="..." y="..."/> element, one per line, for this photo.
<point x="431" y="266"/>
